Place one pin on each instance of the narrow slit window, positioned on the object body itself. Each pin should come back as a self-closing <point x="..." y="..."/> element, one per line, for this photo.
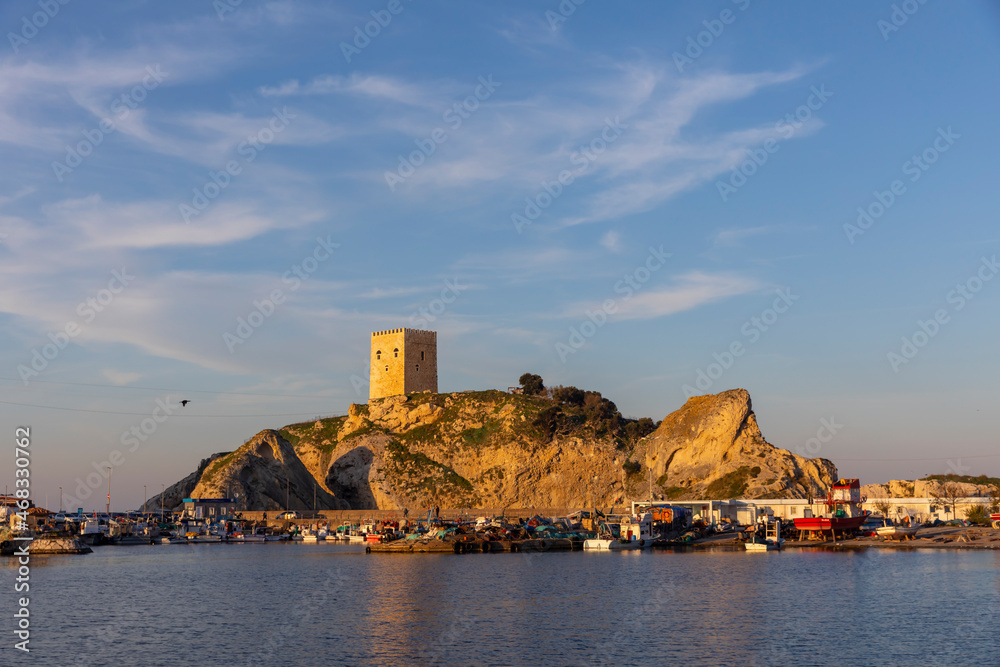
<point x="387" y="368"/>
<point x="418" y="367"/>
<point x="421" y="356"/>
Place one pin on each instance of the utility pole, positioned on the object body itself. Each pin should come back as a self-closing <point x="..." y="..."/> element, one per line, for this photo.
<point x="108" y="507"/>
<point x="161" y="501"/>
<point x="287" y="487"/>
<point x="60" y="500"/>
<point x="144" y="498"/>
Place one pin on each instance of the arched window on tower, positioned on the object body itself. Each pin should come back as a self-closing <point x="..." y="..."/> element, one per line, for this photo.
<point x="395" y="352"/>
<point x="378" y="354"/>
<point x="386" y="369"/>
<point x="418" y="367"/>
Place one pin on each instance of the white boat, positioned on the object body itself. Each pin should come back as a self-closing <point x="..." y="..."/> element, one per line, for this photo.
<point x="903" y="528"/>
<point x="202" y="538"/>
<point x="95" y="531"/>
<point x="626" y="534"/>
<point x="256" y="535"/>
<point x="898" y="531"/>
<point x="771" y="541"/>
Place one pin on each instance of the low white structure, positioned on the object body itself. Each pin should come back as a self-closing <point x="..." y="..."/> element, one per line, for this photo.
<point x="744" y="511"/>
<point x="924" y="510"/>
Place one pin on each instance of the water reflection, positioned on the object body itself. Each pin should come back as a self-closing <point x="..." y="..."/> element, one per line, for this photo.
<point x="326" y="604"/>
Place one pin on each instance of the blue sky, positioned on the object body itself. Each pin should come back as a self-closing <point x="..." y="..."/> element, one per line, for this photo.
<point x="176" y="164"/>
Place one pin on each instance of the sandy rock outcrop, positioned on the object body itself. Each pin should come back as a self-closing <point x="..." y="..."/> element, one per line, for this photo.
<point x="922" y="488"/>
<point x="174" y="494"/>
<point x="262" y="474"/>
<point x="489" y="449"/>
<point x="713" y="448"/>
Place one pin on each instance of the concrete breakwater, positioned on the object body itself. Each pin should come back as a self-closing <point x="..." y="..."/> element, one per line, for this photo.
<point x="45" y="545"/>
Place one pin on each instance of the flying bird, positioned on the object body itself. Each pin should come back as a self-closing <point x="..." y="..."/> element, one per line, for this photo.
<point x="184" y="403"/>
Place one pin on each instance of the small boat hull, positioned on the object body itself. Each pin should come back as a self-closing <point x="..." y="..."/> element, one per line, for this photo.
<point x="897" y="532"/>
<point x="763" y="545"/>
<point x="614" y="545"/>
<point x="829" y="523"/>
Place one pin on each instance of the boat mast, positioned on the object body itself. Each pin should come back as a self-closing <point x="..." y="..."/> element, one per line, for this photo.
<point x="107" y="508"/>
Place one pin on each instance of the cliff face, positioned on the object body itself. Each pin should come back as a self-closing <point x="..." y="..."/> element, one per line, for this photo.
<point x="713" y="448"/>
<point x="492" y="449"/>
<point x="262" y="474"/>
<point x="174" y="494"/>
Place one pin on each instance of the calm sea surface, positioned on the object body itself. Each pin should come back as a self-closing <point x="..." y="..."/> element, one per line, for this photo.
<point x="299" y="604"/>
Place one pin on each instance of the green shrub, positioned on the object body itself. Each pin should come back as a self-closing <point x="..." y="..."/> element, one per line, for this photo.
<point x="977" y="514"/>
<point x="730" y="485"/>
<point x="632" y="467"/>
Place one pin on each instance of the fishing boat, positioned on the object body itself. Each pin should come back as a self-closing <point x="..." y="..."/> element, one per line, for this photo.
<point x="202" y="538"/>
<point x="771" y="541"/>
<point x="995" y="520"/>
<point x="844" y="511"/>
<point x="898" y="531"/>
<point x="625" y="534"/>
<point x="94" y="531"/>
<point x="257" y="535"/>
<point x="902" y="530"/>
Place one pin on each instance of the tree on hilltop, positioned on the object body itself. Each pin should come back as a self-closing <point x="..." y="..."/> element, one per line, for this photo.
<point x="531" y="384"/>
<point x="568" y="395"/>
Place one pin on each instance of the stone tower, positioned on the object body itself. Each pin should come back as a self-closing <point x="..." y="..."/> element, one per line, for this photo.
<point x="403" y="361"/>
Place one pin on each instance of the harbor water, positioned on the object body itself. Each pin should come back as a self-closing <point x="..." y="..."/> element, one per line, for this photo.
<point x="325" y="604"/>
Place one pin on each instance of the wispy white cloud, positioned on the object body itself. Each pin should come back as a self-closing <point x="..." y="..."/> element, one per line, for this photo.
<point x="120" y="377"/>
<point x="370" y="86"/>
<point x="514" y="145"/>
<point x="157" y="224"/>
<point x="688" y="291"/>
<point x="612" y="241"/>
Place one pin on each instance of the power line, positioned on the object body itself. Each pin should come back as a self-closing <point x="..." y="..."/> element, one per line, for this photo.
<point x="146" y="414"/>
<point x="936" y="458"/>
<point x="175" y="391"/>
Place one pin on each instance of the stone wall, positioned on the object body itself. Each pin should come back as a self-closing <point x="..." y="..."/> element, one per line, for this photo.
<point x="337" y="517"/>
<point x="420" y="361"/>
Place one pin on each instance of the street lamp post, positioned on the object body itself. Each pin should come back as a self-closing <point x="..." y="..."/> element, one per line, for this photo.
<point x="60" y="500"/>
<point x="107" y="508"/>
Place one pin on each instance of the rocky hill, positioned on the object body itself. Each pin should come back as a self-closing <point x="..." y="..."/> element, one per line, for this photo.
<point x="713" y="448"/>
<point x="927" y="488"/>
<point x="494" y="449"/>
<point x="175" y="493"/>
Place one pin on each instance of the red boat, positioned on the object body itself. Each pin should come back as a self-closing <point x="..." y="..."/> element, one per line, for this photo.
<point x="845" y="514"/>
<point x="995" y="520"/>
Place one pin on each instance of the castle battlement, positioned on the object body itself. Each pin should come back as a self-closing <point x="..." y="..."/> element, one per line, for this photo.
<point x="403" y="361"/>
<point x="418" y="333"/>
